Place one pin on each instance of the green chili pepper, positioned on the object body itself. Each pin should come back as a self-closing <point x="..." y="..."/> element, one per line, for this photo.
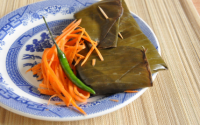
<point x="66" y="67"/>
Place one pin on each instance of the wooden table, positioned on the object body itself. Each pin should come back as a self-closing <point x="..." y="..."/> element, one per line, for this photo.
<point x="175" y="96"/>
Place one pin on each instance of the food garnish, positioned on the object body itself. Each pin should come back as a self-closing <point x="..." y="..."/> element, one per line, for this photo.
<point x="131" y="91"/>
<point x="93" y="62"/>
<point x="66" y="67"/>
<point x="57" y="69"/>
<point x="114" y="100"/>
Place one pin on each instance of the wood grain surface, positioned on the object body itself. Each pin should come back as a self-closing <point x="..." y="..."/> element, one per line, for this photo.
<point x="175" y="97"/>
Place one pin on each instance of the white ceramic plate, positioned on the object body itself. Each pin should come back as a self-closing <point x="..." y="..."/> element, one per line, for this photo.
<point x="23" y="37"/>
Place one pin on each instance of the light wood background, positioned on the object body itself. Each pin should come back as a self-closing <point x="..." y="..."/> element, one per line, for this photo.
<point x="175" y="97"/>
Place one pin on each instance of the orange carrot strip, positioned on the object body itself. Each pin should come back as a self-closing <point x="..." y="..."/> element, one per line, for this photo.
<point x="56" y="37"/>
<point x="73" y="104"/>
<point x="43" y="68"/>
<point x="51" y="98"/>
<point x="58" y="103"/>
<point x="77" y="62"/>
<point x="81" y="93"/>
<point x="39" y="74"/>
<point x="82" y="42"/>
<point x="72" y="42"/>
<point x="40" y="77"/>
<point x="79" y="55"/>
<point x="65" y="33"/>
<point x="75" y="91"/>
<point x="93" y="62"/>
<point x="46" y="92"/>
<point x="80" y="47"/>
<point x="99" y="54"/>
<point x="81" y="110"/>
<point x="47" y="81"/>
<point x="69" y="30"/>
<point x="29" y="70"/>
<point x="55" y="81"/>
<point x="74" y="53"/>
<point x="36" y="67"/>
<point x="131" y="91"/>
<point x="69" y="25"/>
<point x="114" y="100"/>
<point x="62" y="44"/>
<point x="71" y="88"/>
<point x="56" y="71"/>
<point x="76" y="35"/>
<point x="75" y="58"/>
<point x="44" y="86"/>
<point x="76" y="31"/>
<point x="51" y="60"/>
<point x="68" y="54"/>
<point x="87" y="56"/>
<point x="62" y="77"/>
<point x="36" y="71"/>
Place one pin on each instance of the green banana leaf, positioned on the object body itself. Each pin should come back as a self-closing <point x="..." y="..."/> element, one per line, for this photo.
<point x="123" y="68"/>
<point x="134" y="37"/>
<point x="97" y="26"/>
<point x="128" y="27"/>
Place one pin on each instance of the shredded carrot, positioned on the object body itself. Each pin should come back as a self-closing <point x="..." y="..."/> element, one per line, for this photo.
<point x="58" y="103"/>
<point x="93" y="62"/>
<point x="45" y="86"/>
<point x="55" y="82"/>
<point x="69" y="26"/>
<point x="78" y="60"/>
<point x="131" y="91"/>
<point x="114" y="100"/>
<point x="69" y="30"/>
<point x="51" y="98"/>
<point x="93" y="44"/>
<point x="40" y="77"/>
<point x="87" y="56"/>
<point x="83" y="94"/>
<point x="36" y="67"/>
<point x="46" y="92"/>
<point x="78" y="55"/>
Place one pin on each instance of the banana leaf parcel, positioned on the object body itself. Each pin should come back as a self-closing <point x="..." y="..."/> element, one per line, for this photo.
<point x="97" y="26"/>
<point x="124" y="67"/>
<point x="134" y="37"/>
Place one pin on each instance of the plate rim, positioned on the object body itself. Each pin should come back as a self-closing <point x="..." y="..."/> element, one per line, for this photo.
<point x="91" y="115"/>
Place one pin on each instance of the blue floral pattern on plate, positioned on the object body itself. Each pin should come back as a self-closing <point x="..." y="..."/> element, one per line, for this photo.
<point x="26" y="52"/>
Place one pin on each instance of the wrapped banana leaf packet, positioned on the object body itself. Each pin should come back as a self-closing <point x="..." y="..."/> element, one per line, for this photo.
<point x="97" y="26"/>
<point x="129" y="62"/>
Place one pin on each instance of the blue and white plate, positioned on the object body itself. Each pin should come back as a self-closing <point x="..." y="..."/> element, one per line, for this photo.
<point x="23" y="38"/>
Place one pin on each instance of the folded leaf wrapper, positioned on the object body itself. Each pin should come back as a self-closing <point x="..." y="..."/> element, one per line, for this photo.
<point x="134" y="37"/>
<point x="124" y="68"/>
<point x="97" y="26"/>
